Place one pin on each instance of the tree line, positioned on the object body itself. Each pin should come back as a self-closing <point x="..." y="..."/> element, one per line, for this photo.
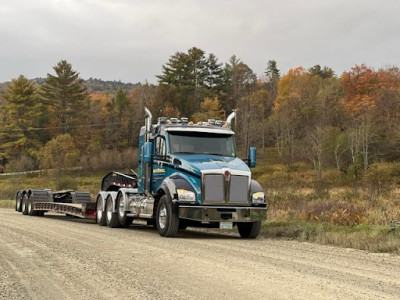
<point x="345" y="121"/>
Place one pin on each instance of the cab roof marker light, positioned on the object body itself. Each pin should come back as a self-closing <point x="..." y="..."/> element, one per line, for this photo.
<point x="174" y="120"/>
<point x="184" y="120"/>
<point x="162" y="120"/>
<point x="211" y="121"/>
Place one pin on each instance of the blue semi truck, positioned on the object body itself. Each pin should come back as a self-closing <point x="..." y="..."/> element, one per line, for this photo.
<point x="188" y="176"/>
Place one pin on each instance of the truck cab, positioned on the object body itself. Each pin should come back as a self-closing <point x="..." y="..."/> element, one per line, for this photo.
<point x="189" y="175"/>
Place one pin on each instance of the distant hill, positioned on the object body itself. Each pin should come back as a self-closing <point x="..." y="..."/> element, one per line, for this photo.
<point x="92" y="84"/>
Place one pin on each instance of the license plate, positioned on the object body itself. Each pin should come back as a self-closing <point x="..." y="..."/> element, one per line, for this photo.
<point x="225" y="225"/>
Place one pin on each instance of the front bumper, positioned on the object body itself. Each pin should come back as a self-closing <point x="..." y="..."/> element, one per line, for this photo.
<point x="208" y="214"/>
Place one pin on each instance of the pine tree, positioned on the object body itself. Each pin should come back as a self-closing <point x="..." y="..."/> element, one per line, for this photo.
<point x="22" y="114"/>
<point x="65" y="96"/>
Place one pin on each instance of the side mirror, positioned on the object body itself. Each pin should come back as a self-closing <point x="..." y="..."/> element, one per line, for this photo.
<point x="148" y="147"/>
<point x="252" y="157"/>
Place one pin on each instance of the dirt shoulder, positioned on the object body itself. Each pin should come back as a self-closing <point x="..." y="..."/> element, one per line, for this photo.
<point x="65" y="258"/>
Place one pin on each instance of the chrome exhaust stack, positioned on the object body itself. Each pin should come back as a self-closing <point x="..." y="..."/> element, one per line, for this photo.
<point x="230" y="118"/>
<point x="147" y="123"/>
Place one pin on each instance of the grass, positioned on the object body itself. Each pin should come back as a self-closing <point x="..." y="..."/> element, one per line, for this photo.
<point x="7" y="203"/>
<point x="339" y="211"/>
<point x="363" y="237"/>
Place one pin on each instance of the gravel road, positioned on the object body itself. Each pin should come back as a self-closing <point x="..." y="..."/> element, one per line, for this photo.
<point x="57" y="257"/>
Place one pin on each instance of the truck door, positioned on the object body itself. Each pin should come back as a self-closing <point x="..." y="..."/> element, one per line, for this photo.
<point x="159" y="163"/>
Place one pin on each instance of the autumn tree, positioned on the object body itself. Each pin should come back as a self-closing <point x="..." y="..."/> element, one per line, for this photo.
<point x="58" y="154"/>
<point x="209" y="109"/>
<point x="250" y="119"/>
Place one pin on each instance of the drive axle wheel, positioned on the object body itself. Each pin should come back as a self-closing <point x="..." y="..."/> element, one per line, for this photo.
<point x="123" y="219"/>
<point x="249" y="230"/>
<point x="167" y="217"/>
<point x="100" y="215"/>
<point x="111" y="217"/>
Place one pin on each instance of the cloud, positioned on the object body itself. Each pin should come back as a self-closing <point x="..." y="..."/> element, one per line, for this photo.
<point x="130" y="40"/>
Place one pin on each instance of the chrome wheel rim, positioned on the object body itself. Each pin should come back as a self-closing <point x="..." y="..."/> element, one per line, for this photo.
<point x="99" y="210"/>
<point x="109" y="210"/>
<point x="162" y="216"/>
<point x="121" y="209"/>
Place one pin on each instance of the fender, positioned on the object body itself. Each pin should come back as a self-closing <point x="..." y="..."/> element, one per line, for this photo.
<point x="174" y="182"/>
<point x="255" y="187"/>
<point x="124" y="192"/>
<point x="103" y="195"/>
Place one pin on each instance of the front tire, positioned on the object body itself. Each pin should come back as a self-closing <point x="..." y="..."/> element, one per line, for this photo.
<point x="249" y="230"/>
<point x="111" y="217"/>
<point x="123" y="219"/>
<point x="167" y="217"/>
<point x="100" y="214"/>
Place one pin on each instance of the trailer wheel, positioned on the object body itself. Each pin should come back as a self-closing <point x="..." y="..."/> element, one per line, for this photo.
<point x="111" y="217"/>
<point x="123" y="219"/>
<point x="24" y="207"/>
<point x="167" y="217"/>
<point x="249" y="230"/>
<point x="100" y="215"/>
<point x="18" y="202"/>
<point x="31" y="211"/>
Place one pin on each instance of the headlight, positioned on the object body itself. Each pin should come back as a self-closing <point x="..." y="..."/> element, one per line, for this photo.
<point x="186" y="196"/>
<point x="258" y="197"/>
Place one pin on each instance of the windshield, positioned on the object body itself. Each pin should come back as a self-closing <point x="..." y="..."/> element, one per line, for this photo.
<point x="202" y="143"/>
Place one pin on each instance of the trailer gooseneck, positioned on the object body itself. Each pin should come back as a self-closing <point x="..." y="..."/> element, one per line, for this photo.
<point x="188" y="175"/>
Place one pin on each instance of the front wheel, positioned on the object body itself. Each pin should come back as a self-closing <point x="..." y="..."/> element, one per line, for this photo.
<point x="249" y="230"/>
<point x="167" y="217"/>
<point x="111" y="217"/>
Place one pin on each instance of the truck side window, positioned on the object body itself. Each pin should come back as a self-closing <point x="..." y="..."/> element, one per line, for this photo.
<point x="160" y="146"/>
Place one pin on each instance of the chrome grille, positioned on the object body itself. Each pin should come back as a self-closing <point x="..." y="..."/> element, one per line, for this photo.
<point x="214" y="188"/>
<point x="239" y="189"/>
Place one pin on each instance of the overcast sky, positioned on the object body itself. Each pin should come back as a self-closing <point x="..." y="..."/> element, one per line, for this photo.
<point x="129" y="40"/>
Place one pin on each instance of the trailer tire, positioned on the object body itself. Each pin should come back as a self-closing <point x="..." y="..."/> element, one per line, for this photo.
<point x="24" y="206"/>
<point x="167" y="217"/>
<point x="18" y="202"/>
<point x="31" y="211"/>
<point x="123" y="219"/>
<point x="249" y="230"/>
<point x="100" y="214"/>
<point x="111" y="217"/>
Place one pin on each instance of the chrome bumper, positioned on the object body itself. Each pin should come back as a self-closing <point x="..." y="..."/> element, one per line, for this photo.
<point x="208" y="214"/>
